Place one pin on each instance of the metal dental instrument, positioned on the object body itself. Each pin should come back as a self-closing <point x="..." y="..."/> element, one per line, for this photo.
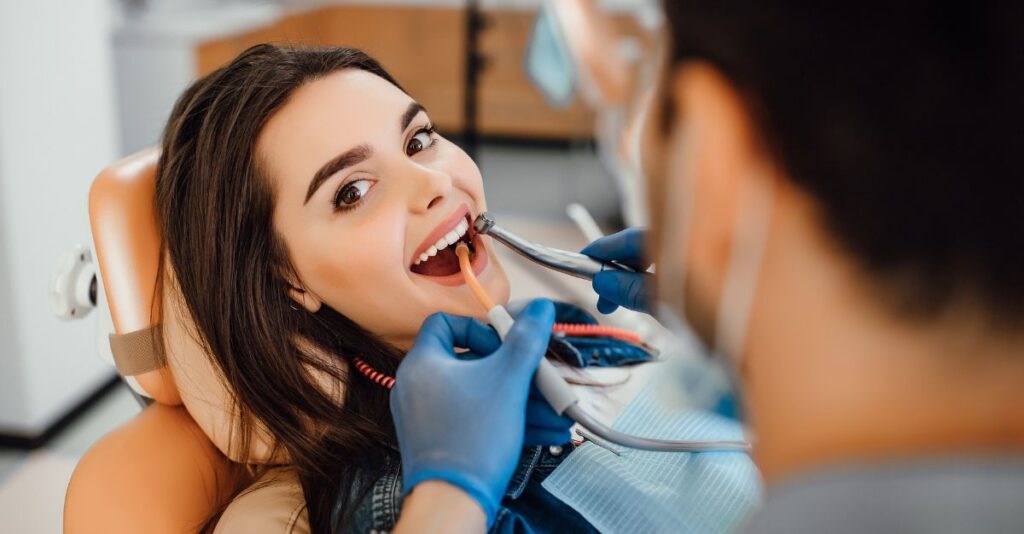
<point x="555" y="389"/>
<point x="570" y="263"/>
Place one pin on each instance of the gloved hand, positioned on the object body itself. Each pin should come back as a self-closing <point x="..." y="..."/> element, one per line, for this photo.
<point x="620" y="288"/>
<point x="543" y="425"/>
<point x="462" y="419"/>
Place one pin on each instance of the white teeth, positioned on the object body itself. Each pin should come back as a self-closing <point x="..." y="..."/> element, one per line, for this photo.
<point x="449" y="239"/>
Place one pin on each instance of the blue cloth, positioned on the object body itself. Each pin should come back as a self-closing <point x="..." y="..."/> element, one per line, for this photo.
<point x="548" y="62"/>
<point x="582" y="351"/>
<point x="643" y="491"/>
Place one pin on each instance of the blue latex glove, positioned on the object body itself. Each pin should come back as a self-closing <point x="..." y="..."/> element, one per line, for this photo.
<point x="543" y="425"/>
<point x="620" y="288"/>
<point x="461" y="419"/>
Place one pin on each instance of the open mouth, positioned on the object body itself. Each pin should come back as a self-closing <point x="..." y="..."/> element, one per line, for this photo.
<point x="439" y="259"/>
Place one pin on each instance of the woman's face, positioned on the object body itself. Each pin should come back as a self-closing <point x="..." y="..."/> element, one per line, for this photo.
<point x="364" y="191"/>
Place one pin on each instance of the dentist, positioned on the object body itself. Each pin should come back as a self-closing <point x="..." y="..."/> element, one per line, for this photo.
<point x="836" y="203"/>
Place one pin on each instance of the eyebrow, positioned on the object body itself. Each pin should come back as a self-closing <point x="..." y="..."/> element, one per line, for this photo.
<point x="352" y="157"/>
<point x="410" y="113"/>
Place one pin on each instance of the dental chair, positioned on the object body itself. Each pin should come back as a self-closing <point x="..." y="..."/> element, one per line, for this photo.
<point x="173" y="466"/>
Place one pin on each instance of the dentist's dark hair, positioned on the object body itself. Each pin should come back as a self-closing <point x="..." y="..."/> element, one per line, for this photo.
<point x="902" y="119"/>
<point x="215" y="205"/>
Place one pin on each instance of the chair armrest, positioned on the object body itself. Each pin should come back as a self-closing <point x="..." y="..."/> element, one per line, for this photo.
<point x="157" y="473"/>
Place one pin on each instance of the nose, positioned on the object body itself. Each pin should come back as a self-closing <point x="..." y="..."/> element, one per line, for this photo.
<point x="432" y="186"/>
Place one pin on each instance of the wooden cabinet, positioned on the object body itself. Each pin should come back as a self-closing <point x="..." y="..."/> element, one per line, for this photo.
<point x="424" y="48"/>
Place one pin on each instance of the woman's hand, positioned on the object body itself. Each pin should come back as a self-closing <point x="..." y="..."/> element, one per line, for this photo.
<point x="461" y="419"/>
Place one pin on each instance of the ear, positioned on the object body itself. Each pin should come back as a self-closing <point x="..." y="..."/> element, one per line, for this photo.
<point x="717" y="150"/>
<point x="302" y="296"/>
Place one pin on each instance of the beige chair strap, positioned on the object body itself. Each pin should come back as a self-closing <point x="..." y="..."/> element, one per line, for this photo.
<point x="138" y="352"/>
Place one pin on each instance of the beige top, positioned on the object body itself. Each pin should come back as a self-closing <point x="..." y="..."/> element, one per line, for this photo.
<point x="274" y="504"/>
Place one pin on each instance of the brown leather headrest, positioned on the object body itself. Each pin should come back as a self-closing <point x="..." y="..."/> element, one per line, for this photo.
<point x="127" y="239"/>
<point x="127" y="236"/>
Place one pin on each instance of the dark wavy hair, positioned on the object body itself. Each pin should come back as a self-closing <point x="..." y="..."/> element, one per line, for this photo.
<point x="215" y="205"/>
<point x="902" y="120"/>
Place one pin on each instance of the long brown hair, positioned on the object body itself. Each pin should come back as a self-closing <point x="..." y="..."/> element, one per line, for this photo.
<point x="216" y="209"/>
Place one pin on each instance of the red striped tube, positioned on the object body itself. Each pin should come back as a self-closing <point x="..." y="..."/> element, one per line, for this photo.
<point x="596" y="330"/>
<point x="379" y="378"/>
<point x="568" y="329"/>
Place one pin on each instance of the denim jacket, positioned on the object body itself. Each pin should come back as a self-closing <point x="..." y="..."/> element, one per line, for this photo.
<point x="526" y="507"/>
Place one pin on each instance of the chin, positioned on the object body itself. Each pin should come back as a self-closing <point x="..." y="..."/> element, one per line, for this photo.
<point x="501" y="293"/>
<point x="498" y="286"/>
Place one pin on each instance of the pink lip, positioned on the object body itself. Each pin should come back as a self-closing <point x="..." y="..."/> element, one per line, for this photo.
<point x="447" y="225"/>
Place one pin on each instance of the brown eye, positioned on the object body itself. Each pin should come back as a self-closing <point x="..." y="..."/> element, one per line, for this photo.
<point x="418" y="142"/>
<point x="351" y="193"/>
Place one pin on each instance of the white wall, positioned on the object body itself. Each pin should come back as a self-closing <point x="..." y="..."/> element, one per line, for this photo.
<point x="57" y="130"/>
<point x="155" y="54"/>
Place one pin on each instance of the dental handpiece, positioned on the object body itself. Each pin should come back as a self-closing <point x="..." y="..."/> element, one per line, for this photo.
<point x="563" y="261"/>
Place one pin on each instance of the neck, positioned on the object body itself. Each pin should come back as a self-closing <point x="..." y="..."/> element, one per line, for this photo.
<point x="833" y="377"/>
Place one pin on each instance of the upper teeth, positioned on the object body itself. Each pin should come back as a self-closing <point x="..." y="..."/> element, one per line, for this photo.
<point x="450" y="238"/>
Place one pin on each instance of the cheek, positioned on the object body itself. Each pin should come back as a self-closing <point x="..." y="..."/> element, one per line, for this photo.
<point x="465" y="174"/>
<point x="351" y="265"/>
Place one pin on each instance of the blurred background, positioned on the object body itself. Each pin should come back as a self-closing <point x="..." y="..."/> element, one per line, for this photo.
<point x="543" y="94"/>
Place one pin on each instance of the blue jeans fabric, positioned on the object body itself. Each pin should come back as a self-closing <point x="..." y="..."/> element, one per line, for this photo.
<point x="527" y="507"/>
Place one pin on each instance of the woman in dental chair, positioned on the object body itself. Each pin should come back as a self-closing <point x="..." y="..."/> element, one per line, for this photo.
<point x="309" y="215"/>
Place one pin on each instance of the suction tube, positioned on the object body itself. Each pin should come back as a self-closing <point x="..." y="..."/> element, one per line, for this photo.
<point x="561" y="395"/>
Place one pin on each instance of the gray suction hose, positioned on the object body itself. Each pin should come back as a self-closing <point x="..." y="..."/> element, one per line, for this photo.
<point x="611" y="435"/>
<point x="564" y="401"/>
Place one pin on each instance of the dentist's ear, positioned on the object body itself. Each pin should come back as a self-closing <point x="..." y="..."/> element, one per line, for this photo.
<point x="713" y="157"/>
<point x="300" y="295"/>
